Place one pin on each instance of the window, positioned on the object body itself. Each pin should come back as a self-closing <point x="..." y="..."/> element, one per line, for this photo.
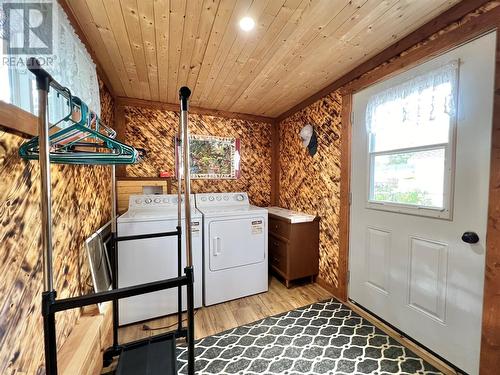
<point x="18" y="85"/>
<point x="4" y="77"/>
<point x="70" y="64"/>
<point x="411" y="131"/>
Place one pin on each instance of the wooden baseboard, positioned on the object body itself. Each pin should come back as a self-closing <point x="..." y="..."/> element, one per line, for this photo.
<point x="82" y="352"/>
<point x="417" y="349"/>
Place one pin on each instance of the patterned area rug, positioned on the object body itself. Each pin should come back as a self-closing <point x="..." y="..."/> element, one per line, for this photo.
<point x="322" y="338"/>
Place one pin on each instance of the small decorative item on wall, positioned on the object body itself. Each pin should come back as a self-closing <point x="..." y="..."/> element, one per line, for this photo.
<point x="212" y="157"/>
<point x="309" y="139"/>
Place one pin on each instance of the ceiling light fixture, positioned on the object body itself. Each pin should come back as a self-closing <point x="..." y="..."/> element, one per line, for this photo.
<point x="247" y="23"/>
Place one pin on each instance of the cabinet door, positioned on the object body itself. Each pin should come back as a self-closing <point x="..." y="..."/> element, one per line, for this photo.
<point x="236" y="242"/>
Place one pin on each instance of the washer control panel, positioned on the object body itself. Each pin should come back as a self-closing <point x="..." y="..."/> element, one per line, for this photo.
<point x="221" y="199"/>
<point x="167" y="201"/>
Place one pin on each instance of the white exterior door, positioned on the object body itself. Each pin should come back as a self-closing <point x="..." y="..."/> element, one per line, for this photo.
<point x="420" y="171"/>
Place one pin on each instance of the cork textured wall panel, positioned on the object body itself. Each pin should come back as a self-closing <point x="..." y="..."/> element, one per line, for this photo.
<point x="107" y="105"/>
<point x="81" y="203"/>
<point x="311" y="184"/>
<point x="155" y="129"/>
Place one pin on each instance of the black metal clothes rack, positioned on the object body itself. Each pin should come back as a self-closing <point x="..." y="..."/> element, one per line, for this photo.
<point x="154" y="355"/>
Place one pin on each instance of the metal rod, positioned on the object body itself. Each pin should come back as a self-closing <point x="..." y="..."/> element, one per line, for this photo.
<point x="184" y="94"/>
<point x="179" y="223"/>
<point x="113" y="199"/>
<point x="43" y="131"/>
<point x="114" y="260"/>
<point x="179" y="274"/>
<point x="190" y="319"/>
<point x="179" y="172"/>
<point x="43" y="82"/>
<point x="109" y="295"/>
<point x="49" y="326"/>
<point x="49" y="329"/>
<point x="114" y="283"/>
<point x="146" y="236"/>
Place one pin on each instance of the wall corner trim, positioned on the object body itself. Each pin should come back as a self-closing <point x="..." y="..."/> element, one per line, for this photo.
<point x="275" y="163"/>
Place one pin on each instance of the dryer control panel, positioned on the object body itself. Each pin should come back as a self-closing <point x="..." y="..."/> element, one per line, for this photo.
<point x="165" y="201"/>
<point x="222" y="199"/>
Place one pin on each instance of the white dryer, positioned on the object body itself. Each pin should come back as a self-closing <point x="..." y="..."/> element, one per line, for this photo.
<point x="153" y="259"/>
<point x="234" y="247"/>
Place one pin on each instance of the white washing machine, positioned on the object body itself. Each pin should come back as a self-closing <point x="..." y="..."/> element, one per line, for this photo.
<point x="234" y="247"/>
<point x="153" y="259"/>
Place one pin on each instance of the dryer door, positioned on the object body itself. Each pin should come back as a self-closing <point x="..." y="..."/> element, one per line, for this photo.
<point x="236" y="242"/>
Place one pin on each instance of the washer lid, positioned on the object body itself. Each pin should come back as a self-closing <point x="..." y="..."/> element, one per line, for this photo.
<point x="233" y="211"/>
<point x="155" y="214"/>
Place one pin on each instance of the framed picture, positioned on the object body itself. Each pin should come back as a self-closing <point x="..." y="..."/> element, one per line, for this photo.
<point x="97" y="246"/>
<point x="212" y="157"/>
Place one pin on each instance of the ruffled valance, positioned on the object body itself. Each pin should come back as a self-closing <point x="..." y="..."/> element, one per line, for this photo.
<point x="428" y="100"/>
<point x="70" y="64"/>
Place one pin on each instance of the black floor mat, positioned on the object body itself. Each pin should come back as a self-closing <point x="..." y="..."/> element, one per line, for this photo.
<point x="322" y="338"/>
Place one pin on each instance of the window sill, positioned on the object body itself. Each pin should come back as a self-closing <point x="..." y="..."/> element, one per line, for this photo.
<point x="408" y="209"/>
<point x="18" y="121"/>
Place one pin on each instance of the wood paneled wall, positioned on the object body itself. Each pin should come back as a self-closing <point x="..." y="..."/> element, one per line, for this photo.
<point x="312" y="183"/>
<point x="154" y="129"/>
<point x="81" y="203"/>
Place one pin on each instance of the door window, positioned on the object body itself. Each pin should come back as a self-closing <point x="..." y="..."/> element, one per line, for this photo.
<point x="411" y="130"/>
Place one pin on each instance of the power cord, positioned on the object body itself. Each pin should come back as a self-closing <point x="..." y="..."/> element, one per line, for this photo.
<point x="146" y="327"/>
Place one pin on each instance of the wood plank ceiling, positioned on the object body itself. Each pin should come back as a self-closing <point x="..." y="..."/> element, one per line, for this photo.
<point x="149" y="48"/>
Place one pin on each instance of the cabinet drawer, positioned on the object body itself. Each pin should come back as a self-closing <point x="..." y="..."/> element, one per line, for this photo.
<point x="279" y="227"/>
<point x="278" y="254"/>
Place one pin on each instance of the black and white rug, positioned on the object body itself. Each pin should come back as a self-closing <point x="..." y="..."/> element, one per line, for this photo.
<point x="322" y="338"/>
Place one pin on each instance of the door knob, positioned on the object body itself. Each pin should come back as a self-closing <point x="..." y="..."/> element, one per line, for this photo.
<point x="470" y="237"/>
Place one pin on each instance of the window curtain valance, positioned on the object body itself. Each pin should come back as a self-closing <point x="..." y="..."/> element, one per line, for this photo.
<point x="71" y="66"/>
<point x="416" y="102"/>
<point x="75" y="68"/>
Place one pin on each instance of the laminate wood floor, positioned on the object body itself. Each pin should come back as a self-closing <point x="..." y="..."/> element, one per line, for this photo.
<point x="214" y="319"/>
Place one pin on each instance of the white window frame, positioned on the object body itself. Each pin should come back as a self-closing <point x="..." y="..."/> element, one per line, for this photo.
<point x="445" y="212"/>
<point x="21" y="90"/>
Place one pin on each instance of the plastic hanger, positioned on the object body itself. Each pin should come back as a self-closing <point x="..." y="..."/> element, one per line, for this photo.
<point x="85" y="141"/>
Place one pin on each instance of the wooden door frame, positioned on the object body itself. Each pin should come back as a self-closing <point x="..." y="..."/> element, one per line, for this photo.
<point x="482" y="24"/>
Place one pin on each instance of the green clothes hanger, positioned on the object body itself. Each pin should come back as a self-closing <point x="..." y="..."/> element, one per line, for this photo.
<point x="85" y="140"/>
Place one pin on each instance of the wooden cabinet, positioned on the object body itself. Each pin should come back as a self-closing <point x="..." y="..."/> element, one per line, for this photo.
<point x="293" y="247"/>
